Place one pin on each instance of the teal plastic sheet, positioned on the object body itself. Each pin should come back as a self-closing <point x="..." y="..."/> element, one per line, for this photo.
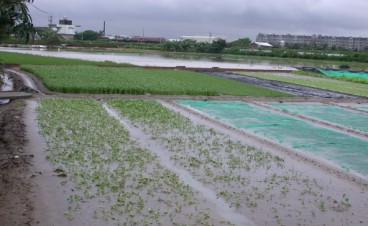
<point x="349" y="152"/>
<point x="361" y="107"/>
<point x="329" y="113"/>
<point x="344" y="73"/>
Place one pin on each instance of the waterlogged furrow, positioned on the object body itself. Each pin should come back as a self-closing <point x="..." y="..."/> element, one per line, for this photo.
<point x="253" y="181"/>
<point x="104" y="168"/>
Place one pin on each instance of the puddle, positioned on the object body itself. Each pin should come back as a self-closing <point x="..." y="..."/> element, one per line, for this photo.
<point x="26" y="80"/>
<point x="7" y="86"/>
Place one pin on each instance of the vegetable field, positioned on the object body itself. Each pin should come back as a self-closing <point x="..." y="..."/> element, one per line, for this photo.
<point x="105" y="160"/>
<point x="92" y="79"/>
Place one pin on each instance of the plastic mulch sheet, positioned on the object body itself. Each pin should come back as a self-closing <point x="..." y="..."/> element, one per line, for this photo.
<point x="348" y="74"/>
<point x="329" y="113"/>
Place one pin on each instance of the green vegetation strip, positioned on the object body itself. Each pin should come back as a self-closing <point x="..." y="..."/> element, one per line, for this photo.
<point x="104" y="168"/>
<point x="92" y="79"/>
<point x="253" y="181"/>
<point x="21" y="58"/>
<point x="322" y="83"/>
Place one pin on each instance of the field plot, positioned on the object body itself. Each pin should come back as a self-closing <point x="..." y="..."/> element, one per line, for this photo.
<point x="327" y="113"/>
<point x="322" y="83"/>
<point x="349" y="152"/>
<point x="93" y="79"/>
<point x="112" y="179"/>
<point x="258" y="184"/>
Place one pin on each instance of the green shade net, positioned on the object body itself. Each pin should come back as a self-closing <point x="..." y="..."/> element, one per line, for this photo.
<point x="332" y="73"/>
<point x="347" y="151"/>
<point x="333" y="114"/>
<point x="361" y="107"/>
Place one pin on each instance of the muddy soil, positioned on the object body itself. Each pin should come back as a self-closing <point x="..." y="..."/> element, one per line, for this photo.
<point x="15" y="179"/>
<point x="15" y="163"/>
<point x="294" y="89"/>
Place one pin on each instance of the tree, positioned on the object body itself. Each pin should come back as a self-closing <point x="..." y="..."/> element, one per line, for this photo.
<point x="240" y="43"/>
<point x="50" y="37"/>
<point x="15" y="19"/>
<point x="217" y="46"/>
<point x="87" y="35"/>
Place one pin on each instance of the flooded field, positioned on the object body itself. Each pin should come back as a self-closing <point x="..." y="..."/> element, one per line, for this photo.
<point x="156" y="59"/>
<point x="146" y="162"/>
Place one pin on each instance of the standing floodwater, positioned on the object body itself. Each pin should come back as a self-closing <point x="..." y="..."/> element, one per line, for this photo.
<point x="6" y="85"/>
<point x="157" y="60"/>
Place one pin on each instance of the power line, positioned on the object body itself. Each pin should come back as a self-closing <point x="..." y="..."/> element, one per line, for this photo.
<point x="39" y="9"/>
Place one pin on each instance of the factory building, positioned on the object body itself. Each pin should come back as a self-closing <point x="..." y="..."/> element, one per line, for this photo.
<point x="349" y="43"/>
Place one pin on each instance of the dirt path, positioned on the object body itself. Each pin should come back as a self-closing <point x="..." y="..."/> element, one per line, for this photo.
<point x="15" y="162"/>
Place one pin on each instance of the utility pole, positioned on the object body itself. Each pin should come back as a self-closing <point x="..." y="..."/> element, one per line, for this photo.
<point x="209" y="40"/>
<point x="104" y="29"/>
<point x="50" y="20"/>
<point x="142" y="36"/>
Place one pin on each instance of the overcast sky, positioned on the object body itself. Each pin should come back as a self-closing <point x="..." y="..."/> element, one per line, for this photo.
<point x="230" y="18"/>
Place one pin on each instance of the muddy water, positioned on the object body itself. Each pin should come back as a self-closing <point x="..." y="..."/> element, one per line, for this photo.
<point x="154" y="59"/>
<point x="7" y="86"/>
<point x="26" y="80"/>
<point x="220" y="206"/>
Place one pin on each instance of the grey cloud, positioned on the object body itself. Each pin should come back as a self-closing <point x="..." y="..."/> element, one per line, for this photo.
<point x="232" y="18"/>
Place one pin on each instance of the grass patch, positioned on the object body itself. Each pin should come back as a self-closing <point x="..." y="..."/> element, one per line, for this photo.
<point x="323" y="83"/>
<point x="21" y="58"/>
<point x="92" y="79"/>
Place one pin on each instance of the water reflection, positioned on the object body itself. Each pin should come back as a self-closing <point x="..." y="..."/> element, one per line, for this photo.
<point x="160" y="60"/>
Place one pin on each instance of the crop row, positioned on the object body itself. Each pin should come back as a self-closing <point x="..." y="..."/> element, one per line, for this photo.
<point x="104" y="165"/>
<point x="93" y="79"/>
<point x="255" y="182"/>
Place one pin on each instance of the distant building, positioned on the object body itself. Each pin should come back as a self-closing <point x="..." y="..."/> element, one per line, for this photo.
<point x="148" y="39"/>
<point x="208" y="39"/>
<point x="349" y="43"/>
<point x="260" y="45"/>
<point x="65" y="29"/>
<point x="116" y="37"/>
